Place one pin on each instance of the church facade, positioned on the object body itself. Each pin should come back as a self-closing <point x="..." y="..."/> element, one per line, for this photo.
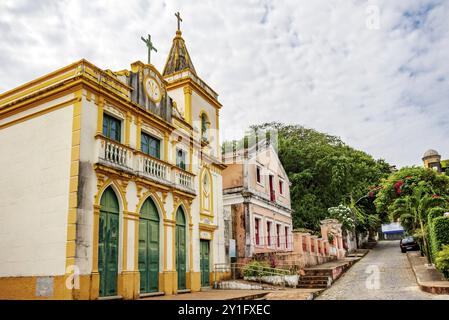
<point x="111" y="182"/>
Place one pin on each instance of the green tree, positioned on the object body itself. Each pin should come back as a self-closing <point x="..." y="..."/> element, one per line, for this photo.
<point x="412" y="209"/>
<point x="402" y="183"/>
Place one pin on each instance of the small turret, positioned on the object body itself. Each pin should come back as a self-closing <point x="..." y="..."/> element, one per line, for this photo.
<point x="432" y="160"/>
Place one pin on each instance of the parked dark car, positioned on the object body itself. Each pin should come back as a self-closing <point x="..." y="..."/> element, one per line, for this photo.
<point x="408" y="243"/>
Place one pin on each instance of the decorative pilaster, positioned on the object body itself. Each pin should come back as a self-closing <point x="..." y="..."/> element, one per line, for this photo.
<point x="188" y="104"/>
<point x="166" y="139"/>
<point x="128" y="128"/>
<point x="100" y="104"/>
<point x="138" y="133"/>
<point x="73" y="189"/>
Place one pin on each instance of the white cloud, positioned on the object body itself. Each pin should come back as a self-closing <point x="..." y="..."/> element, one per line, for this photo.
<point x="313" y="63"/>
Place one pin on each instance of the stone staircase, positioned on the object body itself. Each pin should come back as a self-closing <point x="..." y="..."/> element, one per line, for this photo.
<point x="315" y="279"/>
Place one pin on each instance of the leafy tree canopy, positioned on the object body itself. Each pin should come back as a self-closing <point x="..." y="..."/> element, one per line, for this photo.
<point x="404" y="182"/>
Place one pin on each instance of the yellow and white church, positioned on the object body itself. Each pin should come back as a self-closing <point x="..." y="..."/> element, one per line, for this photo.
<point x="110" y="182"/>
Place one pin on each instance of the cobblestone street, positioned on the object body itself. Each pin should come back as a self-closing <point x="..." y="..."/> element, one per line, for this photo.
<point x="384" y="273"/>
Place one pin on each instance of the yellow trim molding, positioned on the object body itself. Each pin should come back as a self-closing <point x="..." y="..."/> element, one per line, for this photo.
<point x="188" y="104"/>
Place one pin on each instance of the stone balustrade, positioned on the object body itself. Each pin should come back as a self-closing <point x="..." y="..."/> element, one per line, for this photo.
<point x="153" y="168"/>
<point x="117" y="155"/>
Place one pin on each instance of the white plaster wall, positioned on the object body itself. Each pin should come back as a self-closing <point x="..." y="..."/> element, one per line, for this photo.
<point x="130" y="252"/>
<point x="178" y="96"/>
<point x="34" y="191"/>
<point x="88" y="185"/>
<point x="200" y="104"/>
<point x="219" y="253"/>
<point x="132" y="199"/>
<point x="131" y="196"/>
<point x="133" y="134"/>
<point x="196" y="231"/>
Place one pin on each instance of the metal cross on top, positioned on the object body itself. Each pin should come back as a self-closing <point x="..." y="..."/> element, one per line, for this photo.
<point x="178" y="16"/>
<point x="150" y="47"/>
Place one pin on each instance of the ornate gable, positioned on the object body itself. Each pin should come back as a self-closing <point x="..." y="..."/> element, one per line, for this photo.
<point x="149" y="90"/>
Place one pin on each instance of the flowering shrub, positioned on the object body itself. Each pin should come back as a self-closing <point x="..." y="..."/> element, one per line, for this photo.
<point x="344" y="215"/>
<point x="398" y="186"/>
<point x="373" y="191"/>
<point x="442" y="261"/>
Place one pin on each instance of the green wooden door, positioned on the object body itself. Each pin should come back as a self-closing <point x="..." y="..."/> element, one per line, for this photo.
<point x="149" y="247"/>
<point x="204" y="263"/>
<point x="181" y="248"/>
<point x="108" y="243"/>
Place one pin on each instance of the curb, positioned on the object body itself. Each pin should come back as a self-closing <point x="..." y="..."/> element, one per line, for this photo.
<point x="316" y="294"/>
<point x="434" y="287"/>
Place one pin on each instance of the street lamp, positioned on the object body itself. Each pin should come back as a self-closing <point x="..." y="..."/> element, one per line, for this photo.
<point x="355" y="218"/>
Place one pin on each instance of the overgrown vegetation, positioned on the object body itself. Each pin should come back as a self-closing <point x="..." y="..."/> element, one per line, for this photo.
<point x="439" y="234"/>
<point x="261" y="268"/>
<point x="417" y="197"/>
<point x="442" y="261"/>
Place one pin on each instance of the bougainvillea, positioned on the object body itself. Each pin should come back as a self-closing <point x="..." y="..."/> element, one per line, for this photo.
<point x="404" y="181"/>
<point x="397" y="186"/>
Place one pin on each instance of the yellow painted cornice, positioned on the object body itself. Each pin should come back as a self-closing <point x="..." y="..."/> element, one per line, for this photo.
<point x="41" y="79"/>
<point x="200" y="91"/>
<point x="183" y="194"/>
<point x="207" y="227"/>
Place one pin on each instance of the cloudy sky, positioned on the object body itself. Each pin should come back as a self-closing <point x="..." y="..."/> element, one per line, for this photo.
<point x="375" y="73"/>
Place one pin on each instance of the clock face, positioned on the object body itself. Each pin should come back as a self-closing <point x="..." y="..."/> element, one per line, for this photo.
<point x="152" y="89"/>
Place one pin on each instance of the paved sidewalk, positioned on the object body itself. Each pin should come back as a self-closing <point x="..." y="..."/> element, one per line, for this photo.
<point x="334" y="264"/>
<point x="214" y="294"/>
<point x="383" y="274"/>
<point x="293" y="294"/>
<point x="429" y="279"/>
<point x="225" y="294"/>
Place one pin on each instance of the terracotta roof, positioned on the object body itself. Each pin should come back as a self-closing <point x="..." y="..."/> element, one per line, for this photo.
<point x="178" y="58"/>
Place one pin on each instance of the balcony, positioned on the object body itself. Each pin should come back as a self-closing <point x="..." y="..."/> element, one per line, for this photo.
<point x="115" y="154"/>
<point x="119" y="156"/>
<point x="183" y="180"/>
<point x="153" y="168"/>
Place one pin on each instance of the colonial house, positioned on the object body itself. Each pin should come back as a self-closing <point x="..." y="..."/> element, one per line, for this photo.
<point x="110" y="182"/>
<point x="256" y="198"/>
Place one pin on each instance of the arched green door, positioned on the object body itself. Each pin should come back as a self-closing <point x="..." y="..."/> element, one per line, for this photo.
<point x="181" y="248"/>
<point x="108" y="243"/>
<point x="149" y="247"/>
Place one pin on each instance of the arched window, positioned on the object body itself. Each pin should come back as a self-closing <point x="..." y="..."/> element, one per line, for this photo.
<point x="206" y="192"/>
<point x="204" y="127"/>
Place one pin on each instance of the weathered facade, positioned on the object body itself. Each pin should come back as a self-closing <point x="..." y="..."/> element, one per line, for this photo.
<point x="256" y="199"/>
<point x="111" y="183"/>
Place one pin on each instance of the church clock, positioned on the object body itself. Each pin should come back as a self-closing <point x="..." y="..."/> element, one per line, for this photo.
<point x="152" y="89"/>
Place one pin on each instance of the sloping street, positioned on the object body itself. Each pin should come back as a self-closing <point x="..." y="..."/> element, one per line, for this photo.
<point x="384" y="274"/>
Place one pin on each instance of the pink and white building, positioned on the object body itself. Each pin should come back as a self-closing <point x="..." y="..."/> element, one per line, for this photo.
<point x="256" y="202"/>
